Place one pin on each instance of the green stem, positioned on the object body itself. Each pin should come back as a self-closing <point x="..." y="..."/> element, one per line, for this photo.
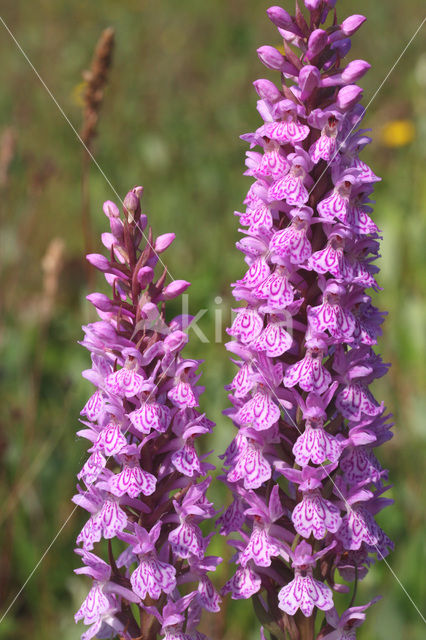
<point x="305" y="626"/>
<point x="355" y="587"/>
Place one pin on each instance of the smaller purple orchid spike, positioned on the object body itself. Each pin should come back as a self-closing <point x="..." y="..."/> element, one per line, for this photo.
<point x="145" y="482"/>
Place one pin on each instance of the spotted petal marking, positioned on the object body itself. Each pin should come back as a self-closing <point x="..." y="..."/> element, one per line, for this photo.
<point x="124" y="383"/>
<point x="111" y="519"/>
<point x="247" y="325"/>
<point x="306" y="593"/>
<point x="251" y="466"/>
<point x="291" y="189"/>
<point x="187" y="540"/>
<point x="363" y="276"/>
<point x="92" y="468"/>
<point x="152" y="577"/>
<point x="260" y="549"/>
<point x="251" y="197"/>
<point x="358" y="526"/>
<point x="359" y="464"/>
<point x="361" y="221"/>
<point x="355" y="400"/>
<point x="273" y="164"/>
<point x="261" y="411"/>
<point x="367" y="174"/>
<point x="235" y="448"/>
<point x="315" y="515"/>
<point x="339" y="322"/>
<point x="309" y="374"/>
<point x="183" y="396"/>
<point x="133" y="481"/>
<point x="277" y="290"/>
<point x="324" y="148"/>
<point x="291" y="243"/>
<point x="111" y="440"/>
<point x="257" y="274"/>
<point x="335" y="206"/>
<point x="244" y="584"/>
<point x="260" y="218"/>
<point x="107" y="522"/>
<point x="330" y="260"/>
<point x="316" y="445"/>
<point x="233" y="518"/>
<point x="243" y="382"/>
<point x="287" y="131"/>
<point x="151" y="415"/>
<point x="94" y="407"/>
<point x="186" y="460"/>
<point x="95" y="605"/>
<point x="90" y="534"/>
<point x="367" y="327"/>
<point x="274" y="340"/>
<point x="208" y="596"/>
<point x="383" y="546"/>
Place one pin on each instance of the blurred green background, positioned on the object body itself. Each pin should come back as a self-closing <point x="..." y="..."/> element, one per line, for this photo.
<point x="179" y="96"/>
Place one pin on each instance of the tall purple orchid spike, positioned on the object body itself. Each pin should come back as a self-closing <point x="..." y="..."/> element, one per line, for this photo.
<point x="144" y="484"/>
<point x="304" y="336"/>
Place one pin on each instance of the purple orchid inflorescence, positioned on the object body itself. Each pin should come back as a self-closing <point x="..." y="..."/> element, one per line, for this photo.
<point x="305" y="480"/>
<point x="144" y="482"/>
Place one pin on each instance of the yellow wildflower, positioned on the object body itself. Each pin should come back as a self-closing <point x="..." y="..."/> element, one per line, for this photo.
<point x="397" y="133"/>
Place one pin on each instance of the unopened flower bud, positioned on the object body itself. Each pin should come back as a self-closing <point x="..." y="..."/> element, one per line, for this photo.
<point x="309" y="79"/>
<point x="174" y="289"/>
<point x="163" y="242"/>
<point x="355" y="70"/>
<point x="271" y="57"/>
<point x="100" y="301"/>
<point x="352" y="24"/>
<point x="266" y="90"/>
<point x="98" y="261"/>
<point x="312" y="5"/>
<point x="316" y="43"/>
<point x="116" y="226"/>
<point x="175" y="341"/>
<point x="131" y="204"/>
<point x="110" y="209"/>
<point x="282" y="19"/>
<point x="145" y="276"/>
<point x="342" y="47"/>
<point x="348" y="96"/>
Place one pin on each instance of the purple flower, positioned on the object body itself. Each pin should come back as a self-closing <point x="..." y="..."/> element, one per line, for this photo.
<point x="304" y="592"/>
<point x="304" y="336"/>
<point x="251" y="466"/>
<point x="145" y="483"/>
<point x="345" y="626"/>
<point x="151" y="576"/>
<point x="101" y="605"/>
<point x="309" y="373"/>
<point x="244" y="584"/>
<point x="314" y="514"/>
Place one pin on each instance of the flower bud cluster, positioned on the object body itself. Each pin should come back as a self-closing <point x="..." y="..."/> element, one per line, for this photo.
<point x="144" y="484"/>
<point x="305" y="479"/>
